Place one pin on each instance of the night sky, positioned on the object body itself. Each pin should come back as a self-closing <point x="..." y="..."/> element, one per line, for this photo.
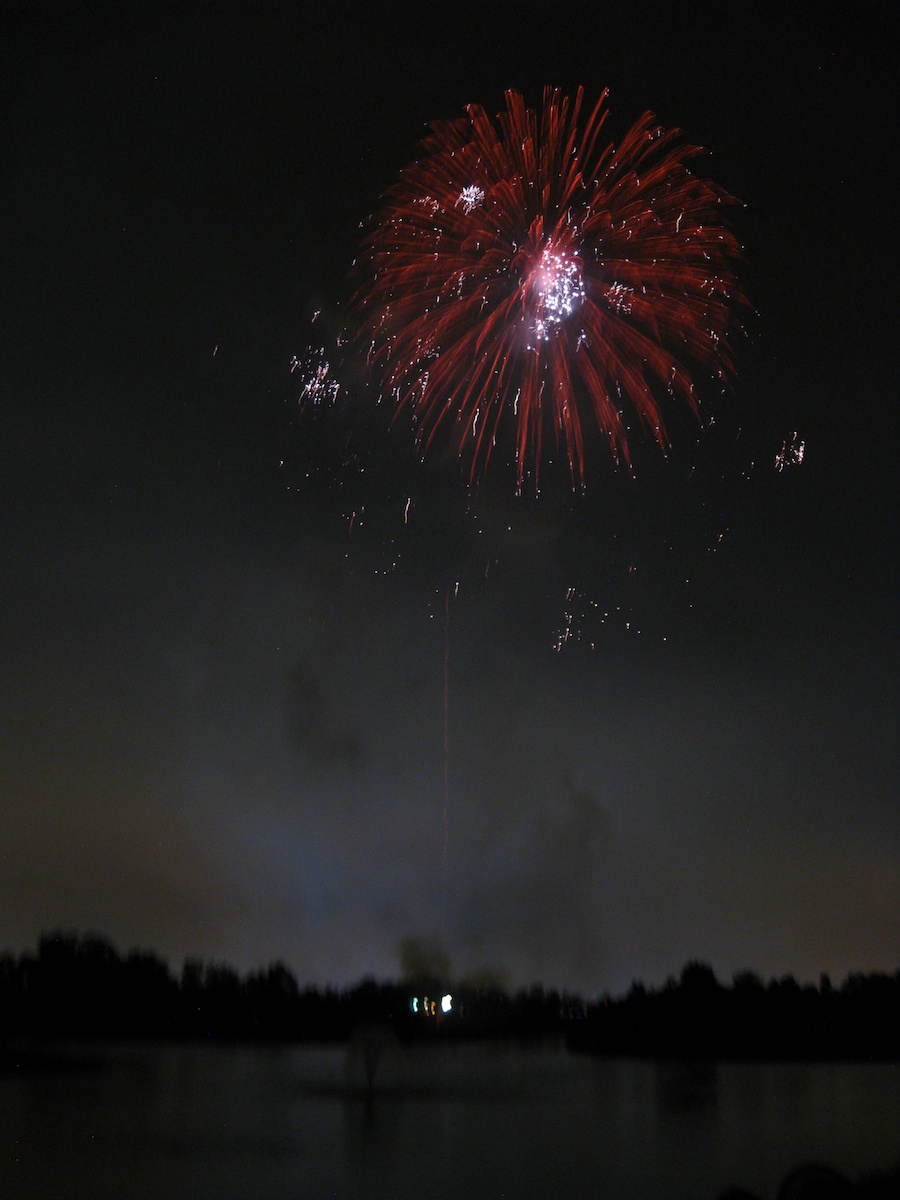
<point x="254" y="651"/>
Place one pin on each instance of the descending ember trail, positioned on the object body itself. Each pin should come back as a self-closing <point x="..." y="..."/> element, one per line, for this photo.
<point x="445" y="839"/>
<point x="523" y="277"/>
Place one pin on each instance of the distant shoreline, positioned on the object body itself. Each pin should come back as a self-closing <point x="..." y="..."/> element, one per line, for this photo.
<point x="80" y="988"/>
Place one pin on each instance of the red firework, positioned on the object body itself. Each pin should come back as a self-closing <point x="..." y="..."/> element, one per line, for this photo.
<point x="522" y="272"/>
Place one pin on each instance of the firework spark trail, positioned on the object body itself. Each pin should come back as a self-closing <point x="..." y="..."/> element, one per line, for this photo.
<point x="523" y="276"/>
<point x="791" y="454"/>
<point x="445" y="824"/>
<point x="319" y="384"/>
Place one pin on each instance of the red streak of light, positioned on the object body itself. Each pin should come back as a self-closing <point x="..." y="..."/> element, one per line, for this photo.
<point x="445" y="845"/>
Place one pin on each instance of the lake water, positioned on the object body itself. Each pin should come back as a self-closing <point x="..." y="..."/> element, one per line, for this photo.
<point x="457" y="1122"/>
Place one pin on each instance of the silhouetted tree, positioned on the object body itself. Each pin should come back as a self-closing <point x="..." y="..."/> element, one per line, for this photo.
<point x="80" y="986"/>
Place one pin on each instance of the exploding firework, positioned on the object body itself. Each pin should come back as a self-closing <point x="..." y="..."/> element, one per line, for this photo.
<point x="522" y="275"/>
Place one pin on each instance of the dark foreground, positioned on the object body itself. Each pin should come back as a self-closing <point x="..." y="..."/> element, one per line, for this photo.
<point x="379" y="1119"/>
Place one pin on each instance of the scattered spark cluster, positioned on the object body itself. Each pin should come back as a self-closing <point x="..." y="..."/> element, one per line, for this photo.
<point x="471" y="197"/>
<point x="524" y="278"/>
<point x="559" y="291"/>
<point x="583" y="619"/>
<point x="791" y="453"/>
<point x="319" y="384"/>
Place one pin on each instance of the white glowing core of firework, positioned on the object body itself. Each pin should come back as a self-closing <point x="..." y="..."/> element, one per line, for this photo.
<point x="560" y="291"/>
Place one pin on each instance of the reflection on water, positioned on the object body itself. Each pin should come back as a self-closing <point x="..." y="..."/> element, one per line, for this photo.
<point x="681" y="1086"/>
<point x="381" y="1120"/>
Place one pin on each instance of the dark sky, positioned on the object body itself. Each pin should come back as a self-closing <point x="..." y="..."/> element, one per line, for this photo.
<point x="236" y="631"/>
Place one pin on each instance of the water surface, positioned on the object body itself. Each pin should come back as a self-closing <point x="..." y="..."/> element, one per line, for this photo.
<point x="442" y="1123"/>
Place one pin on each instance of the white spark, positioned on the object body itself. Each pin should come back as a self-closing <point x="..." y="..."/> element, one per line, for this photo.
<point x="560" y="291"/>
<point x="471" y="197"/>
<point x="791" y="452"/>
<point x="621" y="297"/>
<point x="319" y="383"/>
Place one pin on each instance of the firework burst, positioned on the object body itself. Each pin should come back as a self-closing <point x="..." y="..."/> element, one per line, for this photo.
<point x="523" y="278"/>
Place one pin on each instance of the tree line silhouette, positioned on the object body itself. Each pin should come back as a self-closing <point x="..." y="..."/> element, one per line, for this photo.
<point x="80" y="986"/>
<point x="698" y="1017"/>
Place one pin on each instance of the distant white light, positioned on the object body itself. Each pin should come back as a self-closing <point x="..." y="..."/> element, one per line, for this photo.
<point x="446" y="1003"/>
